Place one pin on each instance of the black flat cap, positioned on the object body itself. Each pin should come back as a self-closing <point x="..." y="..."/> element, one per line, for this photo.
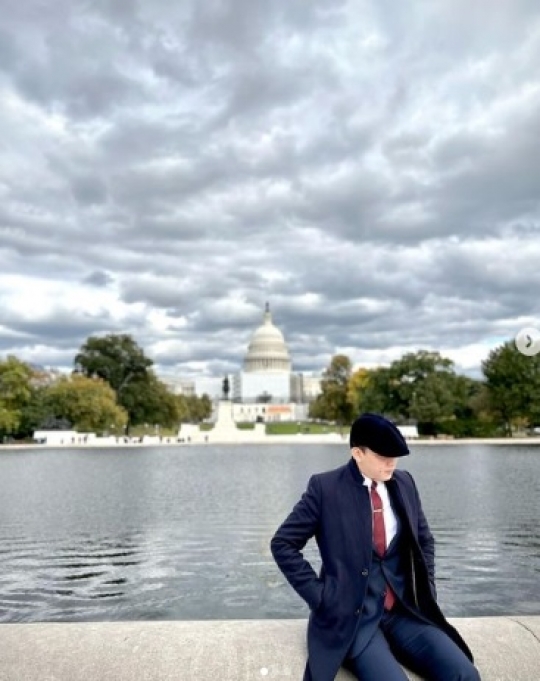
<point x="379" y="434"/>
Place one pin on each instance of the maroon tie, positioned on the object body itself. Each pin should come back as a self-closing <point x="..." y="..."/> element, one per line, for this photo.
<point x="379" y="538"/>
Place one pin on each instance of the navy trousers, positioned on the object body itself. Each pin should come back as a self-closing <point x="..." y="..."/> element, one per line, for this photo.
<point x="421" y="647"/>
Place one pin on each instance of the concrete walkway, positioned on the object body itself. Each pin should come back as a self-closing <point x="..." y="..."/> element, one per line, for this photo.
<point x="505" y="649"/>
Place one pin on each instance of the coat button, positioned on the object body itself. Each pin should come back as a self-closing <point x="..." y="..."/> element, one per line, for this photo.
<point x="365" y="573"/>
<point x="357" y="612"/>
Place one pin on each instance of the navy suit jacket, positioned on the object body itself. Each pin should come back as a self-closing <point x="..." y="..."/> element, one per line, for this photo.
<point x="336" y="510"/>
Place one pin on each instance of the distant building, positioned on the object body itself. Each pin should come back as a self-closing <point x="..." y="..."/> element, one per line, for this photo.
<point x="305" y="387"/>
<point x="265" y="388"/>
<point x="266" y="375"/>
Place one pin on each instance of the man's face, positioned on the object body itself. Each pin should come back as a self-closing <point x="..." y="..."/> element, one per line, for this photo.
<point x="374" y="466"/>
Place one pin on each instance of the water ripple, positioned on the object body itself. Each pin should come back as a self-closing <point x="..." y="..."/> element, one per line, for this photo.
<point x="171" y="535"/>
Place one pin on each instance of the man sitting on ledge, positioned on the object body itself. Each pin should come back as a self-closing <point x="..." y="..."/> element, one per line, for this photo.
<point x="373" y="607"/>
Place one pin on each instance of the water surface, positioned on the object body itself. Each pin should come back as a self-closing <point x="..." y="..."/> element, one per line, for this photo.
<point x="183" y="532"/>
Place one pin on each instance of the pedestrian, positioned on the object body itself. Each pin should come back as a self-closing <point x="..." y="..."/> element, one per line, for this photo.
<point x="373" y="606"/>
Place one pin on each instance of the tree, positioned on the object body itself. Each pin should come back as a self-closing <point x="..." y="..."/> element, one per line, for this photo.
<point x="193" y="409"/>
<point x="422" y="387"/>
<point x="377" y="395"/>
<point x="433" y="402"/>
<point x="407" y="376"/>
<point x="513" y="385"/>
<point x="35" y="415"/>
<point x="88" y="403"/>
<point x="148" y="400"/>
<point x="472" y="416"/>
<point x="15" y="393"/>
<point x="333" y="403"/>
<point x="415" y="387"/>
<point x="357" y="387"/>
<point x="200" y="407"/>
<point x="118" y="360"/>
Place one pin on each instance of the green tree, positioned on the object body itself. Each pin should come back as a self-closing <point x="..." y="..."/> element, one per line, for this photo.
<point x="416" y="387"/>
<point x="433" y="402"/>
<point x="182" y="408"/>
<point x="407" y="375"/>
<point x="148" y="400"/>
<point x="117" y="359"/>
<point x="200" y="407"/>
<point x="422" y="387"/>
<point x="88" y="403"/>
<point x="333" y="403"/>
<point x="513" y="385"/>
<point x="193" y="409"/>
<point x="472" y="415"/>
<point x="35" y="413"/>
<point x="377" y="393"/>
<point x="15" y="393"/>
<point x="205" y="407"/>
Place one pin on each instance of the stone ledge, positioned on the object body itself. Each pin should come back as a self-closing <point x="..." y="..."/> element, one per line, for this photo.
<point x="505" y="649"/>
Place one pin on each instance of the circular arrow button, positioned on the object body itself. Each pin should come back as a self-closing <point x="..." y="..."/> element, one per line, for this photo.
<point x="528" y="341"/>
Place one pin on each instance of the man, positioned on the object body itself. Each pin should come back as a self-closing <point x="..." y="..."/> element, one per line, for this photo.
<point x="373" y="605"/>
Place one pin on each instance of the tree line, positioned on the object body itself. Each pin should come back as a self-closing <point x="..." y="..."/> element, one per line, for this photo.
<point x="423" y="388"/>
<point x="111" y="389"/>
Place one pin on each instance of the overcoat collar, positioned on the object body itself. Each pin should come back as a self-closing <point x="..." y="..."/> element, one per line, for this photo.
<point x="394" y="488"/>
<point x="354" y="471"/>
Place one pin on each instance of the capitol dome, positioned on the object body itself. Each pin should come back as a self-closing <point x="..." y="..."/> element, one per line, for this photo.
<point x="267" y="351"/>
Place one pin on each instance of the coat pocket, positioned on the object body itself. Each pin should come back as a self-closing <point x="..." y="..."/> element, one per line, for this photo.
<point x="328" y="595"/>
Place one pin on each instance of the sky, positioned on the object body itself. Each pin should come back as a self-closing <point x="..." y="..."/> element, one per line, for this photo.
<point x="370" y="168"/>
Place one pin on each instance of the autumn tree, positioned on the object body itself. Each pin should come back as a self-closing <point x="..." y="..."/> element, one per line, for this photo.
<point x="89" y="404"/>
<point x="333" y="402"/>
<point x="357" y="387"/>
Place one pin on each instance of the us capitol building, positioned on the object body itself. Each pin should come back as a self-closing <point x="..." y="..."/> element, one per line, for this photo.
<point x="265" y="389"/>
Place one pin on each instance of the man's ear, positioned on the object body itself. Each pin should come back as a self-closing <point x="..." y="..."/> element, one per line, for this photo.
<point x="356" y="452"/>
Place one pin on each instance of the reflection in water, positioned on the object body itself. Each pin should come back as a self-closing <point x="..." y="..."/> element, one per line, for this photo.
<point x="184" y="533"/>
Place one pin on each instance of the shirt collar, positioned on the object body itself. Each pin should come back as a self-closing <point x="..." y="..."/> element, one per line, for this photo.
<point x="360" y="479"/>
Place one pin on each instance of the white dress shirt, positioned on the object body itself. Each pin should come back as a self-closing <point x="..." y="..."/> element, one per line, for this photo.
<point x="390" y="520"/>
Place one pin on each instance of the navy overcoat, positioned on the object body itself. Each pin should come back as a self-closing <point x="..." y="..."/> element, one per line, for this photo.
<point x="336" y="510"/>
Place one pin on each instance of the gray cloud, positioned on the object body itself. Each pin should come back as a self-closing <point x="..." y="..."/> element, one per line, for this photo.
<point x="58" y="328"/>
<point x="371" y="169"/>
<point x="98" y="278"/>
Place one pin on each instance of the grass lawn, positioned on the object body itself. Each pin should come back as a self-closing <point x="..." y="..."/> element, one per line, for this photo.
<point x="139" y="431"/>
<point x="294" y="427"/>
<point x="240" y="425"/>
<point x="285" y="427"/>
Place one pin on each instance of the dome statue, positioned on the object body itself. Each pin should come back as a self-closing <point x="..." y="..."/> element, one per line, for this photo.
<point x="267" y="351"/>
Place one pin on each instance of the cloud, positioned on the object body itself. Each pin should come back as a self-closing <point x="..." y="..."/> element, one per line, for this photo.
<point x="371" y="169"/>
<point x="98" y="278"/>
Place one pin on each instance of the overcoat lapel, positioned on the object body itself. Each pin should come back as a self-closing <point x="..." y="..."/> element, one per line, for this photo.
<point x="361" y="527"/>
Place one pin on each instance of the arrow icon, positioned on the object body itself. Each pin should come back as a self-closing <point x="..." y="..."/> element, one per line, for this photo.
<point x="528" y="341"/>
